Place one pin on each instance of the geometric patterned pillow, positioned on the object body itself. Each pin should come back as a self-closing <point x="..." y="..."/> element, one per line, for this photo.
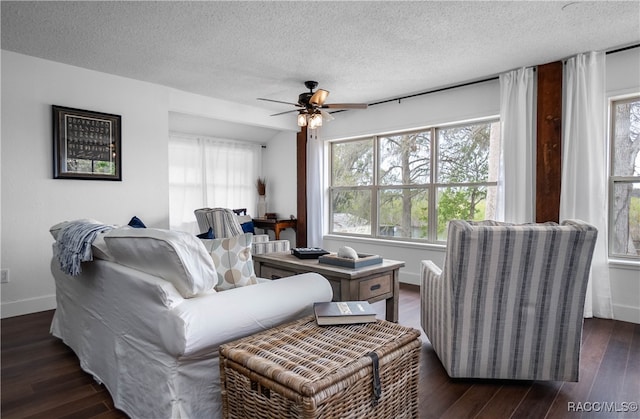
<point x="232" y="259"/>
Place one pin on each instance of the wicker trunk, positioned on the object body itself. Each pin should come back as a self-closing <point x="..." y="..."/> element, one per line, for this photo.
<point x="302" y="370"/>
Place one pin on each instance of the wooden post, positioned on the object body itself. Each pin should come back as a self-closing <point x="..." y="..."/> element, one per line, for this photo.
<point x="301" y="160"/>
<point x="549" y="142"/>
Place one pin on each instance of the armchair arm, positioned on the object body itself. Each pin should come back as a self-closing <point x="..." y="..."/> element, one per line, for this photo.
<point x="430" y="290"/>
<point x="430" y="281"/>
<point x="435" y="306"/>
<point x="430" y="271"/>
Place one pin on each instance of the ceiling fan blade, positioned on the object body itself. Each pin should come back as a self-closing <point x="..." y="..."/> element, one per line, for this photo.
<point x="319" y="97"/>
<point x="282" y="113"/>
<point x="345" y="106"/>
<point x="326" y="115"/>
<point x="278" y="101"/>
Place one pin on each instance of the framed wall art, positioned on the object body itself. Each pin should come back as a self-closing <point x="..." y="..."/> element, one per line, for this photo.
<point x="86" y="144"/>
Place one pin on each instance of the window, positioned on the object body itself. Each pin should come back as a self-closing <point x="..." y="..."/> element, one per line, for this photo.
<point x="209" y="172"/>
<point x="408" y="185"/>
<point x="625" y="178"/>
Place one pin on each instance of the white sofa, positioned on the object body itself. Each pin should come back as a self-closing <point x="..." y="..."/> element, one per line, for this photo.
<point x="152" y="344"/>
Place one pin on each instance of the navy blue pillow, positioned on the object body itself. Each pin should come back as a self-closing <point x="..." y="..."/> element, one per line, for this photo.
<point x="136" y="223"/>
<point x="207" y="235"/>
<point x="248" y="227"/>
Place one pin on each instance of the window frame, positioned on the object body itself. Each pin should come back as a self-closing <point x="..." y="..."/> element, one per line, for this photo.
<point x="432" y="187"/>
<point x="613" y="179"/>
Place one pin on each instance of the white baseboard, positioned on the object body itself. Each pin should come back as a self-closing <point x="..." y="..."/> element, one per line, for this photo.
<point x="626" y="313"/>
<point x="27" y="306"/>
<point x="409" y="278"/>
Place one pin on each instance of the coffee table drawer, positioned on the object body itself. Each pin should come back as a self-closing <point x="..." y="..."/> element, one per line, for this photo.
<point x="270" y="272"/>
<point x="374" y="287"/>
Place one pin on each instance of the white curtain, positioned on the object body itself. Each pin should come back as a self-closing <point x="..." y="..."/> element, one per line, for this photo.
<point x="516" y="178"/>
<point x="210" y="172"/>
<point x="315" y="189"/>
<point x="584" y="166"/>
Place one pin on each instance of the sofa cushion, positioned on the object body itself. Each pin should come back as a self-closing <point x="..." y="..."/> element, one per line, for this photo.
<point x="178" y="257"/>
<point x="232" y="259"/>
<point x="246" y="222"/>
<point x="136" y="222"/>
<point x="248" y="227"/>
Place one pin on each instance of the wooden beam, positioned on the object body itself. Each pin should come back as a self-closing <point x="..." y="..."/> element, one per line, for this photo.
<point x="301" y="164"/>
<point x="549" y="142"/>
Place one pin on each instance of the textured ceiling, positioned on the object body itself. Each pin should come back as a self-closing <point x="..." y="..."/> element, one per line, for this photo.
<point x="359" y="51"/>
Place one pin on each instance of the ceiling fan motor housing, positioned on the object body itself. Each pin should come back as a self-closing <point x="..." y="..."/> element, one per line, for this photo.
<point x="303" y="98"/>
<point x="311" y="84"/>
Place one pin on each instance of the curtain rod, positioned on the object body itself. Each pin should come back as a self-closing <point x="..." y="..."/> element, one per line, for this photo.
<point x="470" y="83"/>
<point x="398" y="99"/>
<point x="613" y="51"/>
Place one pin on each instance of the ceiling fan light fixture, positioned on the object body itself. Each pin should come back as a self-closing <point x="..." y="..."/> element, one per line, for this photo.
<point x="315" y="120"/>
<point x="302" y="119"/>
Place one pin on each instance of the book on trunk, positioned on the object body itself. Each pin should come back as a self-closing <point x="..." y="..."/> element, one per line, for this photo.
<point x="343" y="312"/>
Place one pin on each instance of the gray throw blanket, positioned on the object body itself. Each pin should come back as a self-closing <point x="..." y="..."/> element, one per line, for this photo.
<point x="73" y="245"/>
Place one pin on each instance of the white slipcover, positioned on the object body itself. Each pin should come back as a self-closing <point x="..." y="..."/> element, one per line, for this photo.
<point x="157" y="352"/>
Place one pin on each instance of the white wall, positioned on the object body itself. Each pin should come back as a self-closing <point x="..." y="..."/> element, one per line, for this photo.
<point x="32" y="200"/>
<point x="279" y="169"/>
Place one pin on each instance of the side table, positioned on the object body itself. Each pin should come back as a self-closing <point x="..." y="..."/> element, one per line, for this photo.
<point x="371" y="283"/>
<point x="275" y="225"/>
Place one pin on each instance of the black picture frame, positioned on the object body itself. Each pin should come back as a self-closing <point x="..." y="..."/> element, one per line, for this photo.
<point x="86" y="144"/>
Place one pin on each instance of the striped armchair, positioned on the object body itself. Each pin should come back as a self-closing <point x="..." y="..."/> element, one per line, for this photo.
<point x="226" y="223"/>
<point x="509" y="301"/>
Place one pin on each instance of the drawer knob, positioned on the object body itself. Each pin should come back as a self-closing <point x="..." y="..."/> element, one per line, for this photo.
<point x="375" y="287"/>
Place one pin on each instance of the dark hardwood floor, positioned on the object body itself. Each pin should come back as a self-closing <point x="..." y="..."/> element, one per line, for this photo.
<point x="41" y="377"/>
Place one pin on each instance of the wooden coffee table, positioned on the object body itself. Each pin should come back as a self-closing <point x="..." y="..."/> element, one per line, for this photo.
<point x="371" y="283"/>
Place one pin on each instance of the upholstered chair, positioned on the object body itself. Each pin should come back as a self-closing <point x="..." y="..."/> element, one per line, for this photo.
<point x="225" y="222"/>
<point x="509" y="300"/>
